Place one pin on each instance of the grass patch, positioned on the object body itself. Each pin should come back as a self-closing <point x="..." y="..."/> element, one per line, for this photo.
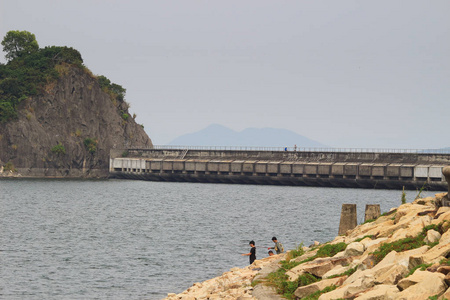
<point x="369" y="221"/>
<point x="284" y="287"/>
<point x="306" y="279"/>
<point x="280" y="280"/>
<point x="256" y="282"/>
<point x="439" y="228"/>
<point x="295" y="252"/>
<point x="346" y="273"/>
<point x="419" y="192"/>
<point x="327" y="250"/>
<point x="399" y="246"/>
<point x="330" y="250"/>
<point x="287" y="265"/>
<point x="403" y="199"/>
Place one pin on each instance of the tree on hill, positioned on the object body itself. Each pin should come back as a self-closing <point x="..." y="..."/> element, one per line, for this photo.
<point x="30" y="68"/>
<point x="17" y="43"/>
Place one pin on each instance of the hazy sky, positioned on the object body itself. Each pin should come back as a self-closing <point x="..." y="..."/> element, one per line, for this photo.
<point x="344" y="73"/>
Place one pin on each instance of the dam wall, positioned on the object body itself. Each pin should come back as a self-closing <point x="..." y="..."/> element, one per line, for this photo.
<point x="297" y="168"/>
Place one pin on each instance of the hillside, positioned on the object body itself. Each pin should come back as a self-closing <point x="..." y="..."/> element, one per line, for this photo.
<point x="218" y="135"/>
<point x="64" y="127"/>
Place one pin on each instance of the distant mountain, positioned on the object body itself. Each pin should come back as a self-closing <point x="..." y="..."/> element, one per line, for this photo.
<point x="218" y="135"/>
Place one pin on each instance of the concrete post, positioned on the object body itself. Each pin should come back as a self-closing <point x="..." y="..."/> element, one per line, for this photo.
<point x="446" y="172"/>
<point x="348" y="218"/>
<point x="372" y="212"/>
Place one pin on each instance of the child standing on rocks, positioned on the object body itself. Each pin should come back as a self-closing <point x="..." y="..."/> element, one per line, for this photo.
<point x="252" y="252"/>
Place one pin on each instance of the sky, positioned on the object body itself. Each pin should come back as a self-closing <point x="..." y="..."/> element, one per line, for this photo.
<point x="348" y="73"/>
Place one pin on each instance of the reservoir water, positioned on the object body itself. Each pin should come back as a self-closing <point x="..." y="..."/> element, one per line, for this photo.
<point x="119" y="239"/>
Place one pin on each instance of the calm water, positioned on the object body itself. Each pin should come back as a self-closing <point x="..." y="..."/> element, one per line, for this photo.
<point x="116" y="239"/>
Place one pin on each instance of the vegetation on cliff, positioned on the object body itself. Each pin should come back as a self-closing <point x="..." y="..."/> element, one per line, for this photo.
<point x="30" y="69"/>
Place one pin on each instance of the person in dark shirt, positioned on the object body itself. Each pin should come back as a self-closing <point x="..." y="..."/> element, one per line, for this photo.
<point x="252" y="252"/>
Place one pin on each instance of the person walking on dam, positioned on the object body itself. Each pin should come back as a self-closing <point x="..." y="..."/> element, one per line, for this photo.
<point x="252" y="252"/>
<point x="278" y="246"/>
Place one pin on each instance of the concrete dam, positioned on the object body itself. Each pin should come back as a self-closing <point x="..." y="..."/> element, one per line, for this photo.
<point x="324" y="168"/>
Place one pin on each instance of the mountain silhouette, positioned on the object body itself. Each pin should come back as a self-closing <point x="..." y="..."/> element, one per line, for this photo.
<point x="218" y="135"/>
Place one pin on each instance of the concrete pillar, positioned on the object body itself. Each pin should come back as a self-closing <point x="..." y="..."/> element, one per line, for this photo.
<point x="372" y="212"/>
<point x="446" y="172"/>
<point x="348" y="218"/>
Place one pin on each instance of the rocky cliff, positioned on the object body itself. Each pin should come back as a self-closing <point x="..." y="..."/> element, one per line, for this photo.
<point x="69" y="130"/>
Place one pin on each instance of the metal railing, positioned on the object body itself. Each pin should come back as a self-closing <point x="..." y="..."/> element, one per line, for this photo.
<point x="303" y="149"/>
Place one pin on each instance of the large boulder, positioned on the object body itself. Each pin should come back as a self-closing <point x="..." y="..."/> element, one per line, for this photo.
<point x="370" y="245"/>
<point x="442" y="214"/>
<point x="443" y="269"/>
<point x="421" y="285"/>
<point x="385" y="270"/>
<point x="372" y="228"/>
<point x="354" y="249"/>
<point x="364" y="282"/>
<point x="445" y="238"/>
<point x="432" y="236"/>
<point x="333" y="295"/>
<point x="379" y="292"/>
<point x="264" y="292"/>
<point x="434" y="255"/>
<point x="391" y="275"/>
<point x="415" y="278"/>
<point x="317" y="267"/>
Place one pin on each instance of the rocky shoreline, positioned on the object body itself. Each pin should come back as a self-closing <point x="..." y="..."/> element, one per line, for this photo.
<point x="403" y="254"/>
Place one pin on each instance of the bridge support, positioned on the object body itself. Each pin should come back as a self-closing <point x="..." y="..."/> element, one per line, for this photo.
<point x="348" y="218"/>
<point x="372" y="212"/>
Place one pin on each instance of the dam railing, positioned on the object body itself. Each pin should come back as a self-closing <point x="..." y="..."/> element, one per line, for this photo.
<point x="303" y="149"/>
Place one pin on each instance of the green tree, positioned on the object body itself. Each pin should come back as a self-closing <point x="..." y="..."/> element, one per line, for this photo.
<point x="114" y="88"/>
<point x="16" y="43"/>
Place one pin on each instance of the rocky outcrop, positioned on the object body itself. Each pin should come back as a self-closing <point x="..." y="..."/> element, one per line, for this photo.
<point x="394" y="276"/>
<point x="235" y="284"/>
<point x="77" y="114"/>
